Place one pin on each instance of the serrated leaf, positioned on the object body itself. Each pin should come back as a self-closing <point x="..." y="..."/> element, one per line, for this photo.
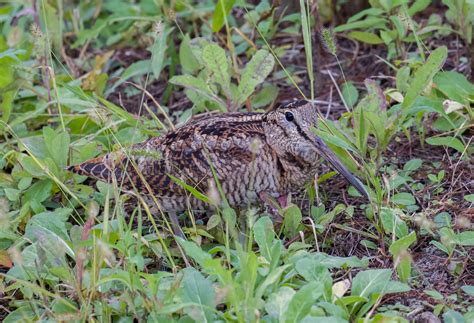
<point x="254" y="74"/>
<point x="448" y="141"/>
<point x="216" y="62"/>
<point x="197" y="85"/>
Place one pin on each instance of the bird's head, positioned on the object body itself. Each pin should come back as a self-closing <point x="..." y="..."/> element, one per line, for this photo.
<point x="288" y="131"/>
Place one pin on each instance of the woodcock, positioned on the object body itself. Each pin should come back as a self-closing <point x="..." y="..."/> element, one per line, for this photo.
<point x="251" y="154"/>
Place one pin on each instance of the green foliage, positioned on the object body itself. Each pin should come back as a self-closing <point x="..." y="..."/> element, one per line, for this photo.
<point x="75" y="249"/>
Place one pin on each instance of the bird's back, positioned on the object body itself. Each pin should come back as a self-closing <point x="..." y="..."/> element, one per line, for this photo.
<point x="230" y="147"/>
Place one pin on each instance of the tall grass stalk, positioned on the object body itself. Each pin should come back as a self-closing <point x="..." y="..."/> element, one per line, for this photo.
<point x="308" y="47"/>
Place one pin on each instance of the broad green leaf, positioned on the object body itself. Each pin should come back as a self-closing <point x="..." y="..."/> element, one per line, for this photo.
<point x="402" y="244"/>
<point x="270" y="280"/>
<point x="366" y="37"/>
<point x="216" y="62"/>
<point x="412" y="165"/>
<point x="52" y="221"/>
<point x="417" y="6"/>
<point x="361" y="24"/>
<point x="223" y="8"/>
<point x="455" y="86"/>
<point x="448" y="141"/>
<point x="403" y="198"/>
<point x="193" y="251"/>
<point x="255" y="72"/>
<point x="402" y="79"/>
<point x="198" y="290"/>
<point x="188" y="61"/>
<point x="468" y="289"/>
<point x="7" y="104"/>
<point x="350" y="93"/>
<point x="300" y="305"/>
<point x="466" y="238"/>
<point x="158" y="50"/>
<point x="392" y="223"/>
<point x="375" y="281"/>
<point x="277" y="303"/>
<point x="265" y="96"/>
<point x="469" y="198"/>
<point x="453" y="316"/>
<point x="197" y="85"/>
<point x="291" y="220"/>
<point x="424" y="75"/>
<point x="264" y="235"/>
<point x="139" y="68"/>
<point x="39" y="191"/>
<point x="57" y="145"/>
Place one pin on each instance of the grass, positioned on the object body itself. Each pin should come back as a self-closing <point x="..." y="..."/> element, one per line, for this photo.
<point x="77" y="83"/>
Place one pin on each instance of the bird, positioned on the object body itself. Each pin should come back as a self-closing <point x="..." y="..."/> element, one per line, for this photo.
<point x="244" y="157"/>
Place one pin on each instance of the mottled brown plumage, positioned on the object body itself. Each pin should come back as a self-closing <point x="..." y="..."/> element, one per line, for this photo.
<point x="274" y="153"/>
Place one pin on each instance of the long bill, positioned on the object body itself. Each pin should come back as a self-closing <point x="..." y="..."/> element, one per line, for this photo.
<point x="337" y="164"/>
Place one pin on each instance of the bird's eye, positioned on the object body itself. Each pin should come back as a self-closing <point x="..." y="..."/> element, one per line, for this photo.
<point x="289" y="116"/>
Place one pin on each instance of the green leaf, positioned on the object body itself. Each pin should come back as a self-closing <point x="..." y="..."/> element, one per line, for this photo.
<point x="198" y="290"/>
<point x="468" y="289"/>
<point x="402" y="244"/>
<point x="52" y="221"/>
<point x="255" y="73"/>
<point x="412" y="165"/>
<point x="362" y="24"/>
<point x="39" y="191"/>
<point x="57" y="145"/>
<point x="223" y="8"/>
<point x="292" y="220"/>
<point x="277" y="303"/>
<point x="417" y="6"/>
<point x="469" y="198"/>
<point x="375" y="281"/>
<point x="193" y="251"/>
<point x="366" y="37"/>
<point x="188" y="61"/>
<point x="158" y="51"/>
<point x="466" y="238"/>
<point x="264" y="235"/>
<point x="216" y="62"/>
<point x="453" y="316"/>
<point x="350" y="93"/>
<point x="403" y="198"/>
<point x="448" y="141"/>
<point x="300" y="305"/>
<point x="197" y="85"/>
<point x="7" y="104"/>
<point x="455" y="86"/>
<point x="402" y="79"/>
<point x="139" y="68"/>
<point x="424" y="75"/>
